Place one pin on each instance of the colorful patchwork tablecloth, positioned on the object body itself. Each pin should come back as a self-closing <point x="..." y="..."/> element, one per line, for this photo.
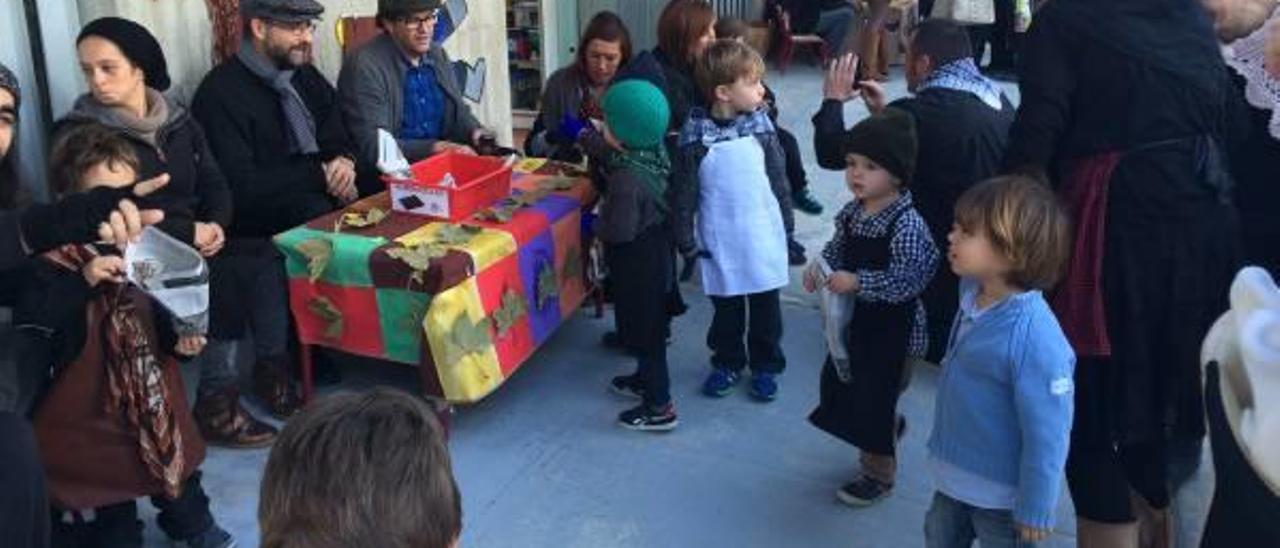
<point x="467" y="302"/>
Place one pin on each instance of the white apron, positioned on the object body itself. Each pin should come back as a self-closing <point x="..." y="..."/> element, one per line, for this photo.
<point x="739" y="222"/>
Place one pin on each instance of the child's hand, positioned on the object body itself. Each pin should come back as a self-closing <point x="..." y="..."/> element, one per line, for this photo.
<point x="1026" y="533"/>
<point x="107" y="268"/>
<point x="842" y="281"/>
<point x="190" y="345"/>
<point x="209" y="239"/>
<point x="811" y="278"/>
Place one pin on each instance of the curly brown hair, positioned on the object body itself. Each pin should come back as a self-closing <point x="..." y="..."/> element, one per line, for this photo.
<point x="81" y="147"/>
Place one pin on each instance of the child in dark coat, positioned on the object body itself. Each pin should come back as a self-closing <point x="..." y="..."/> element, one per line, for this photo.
<point x="633" y="226"/>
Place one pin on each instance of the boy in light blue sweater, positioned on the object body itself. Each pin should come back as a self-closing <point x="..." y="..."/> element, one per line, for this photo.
<point x="1002" y="422"/>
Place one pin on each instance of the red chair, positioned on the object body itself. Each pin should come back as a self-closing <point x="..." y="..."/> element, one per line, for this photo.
<point x="787" y="40"/>
<point x="352" y="31"/>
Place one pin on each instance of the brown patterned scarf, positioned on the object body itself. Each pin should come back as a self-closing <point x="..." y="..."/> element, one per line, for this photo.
<point x="135" y="377"/>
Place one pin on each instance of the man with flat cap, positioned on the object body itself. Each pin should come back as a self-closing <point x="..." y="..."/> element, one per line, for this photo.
<point x="401" y="83"/>
<point x="274" y="124"/>
<point x="275" y="127"/>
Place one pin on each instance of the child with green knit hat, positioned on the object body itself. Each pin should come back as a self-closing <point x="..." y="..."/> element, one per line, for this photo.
<point x="878" y="262"/>
<point x="632" y="224"/>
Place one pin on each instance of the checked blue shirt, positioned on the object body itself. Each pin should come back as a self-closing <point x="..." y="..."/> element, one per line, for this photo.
<point x="914" y="258"/>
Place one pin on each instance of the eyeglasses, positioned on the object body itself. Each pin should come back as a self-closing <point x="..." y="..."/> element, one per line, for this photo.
<point x="421" y="23"/>
<point x="296" y="27"/>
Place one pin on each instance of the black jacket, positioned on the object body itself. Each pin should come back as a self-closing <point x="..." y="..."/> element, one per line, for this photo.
<point x="961" y="142"/>
<point x="245" y="125"/>
<point x="197" y="191"/>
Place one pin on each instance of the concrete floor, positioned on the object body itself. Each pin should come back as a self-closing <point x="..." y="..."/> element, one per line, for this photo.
<point x="541" y="462"/>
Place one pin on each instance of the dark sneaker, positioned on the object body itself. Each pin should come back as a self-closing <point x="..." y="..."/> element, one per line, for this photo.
<point x="628" y="386"/>
<point x="764" y="386"/>
<point x="720" y="383"/>
<point x="215" y="537"/>
<point x="647" y="419"/>
<point x="805" y="202"/>
<point x="795" y="253"/>
<point x="864" y="491"/>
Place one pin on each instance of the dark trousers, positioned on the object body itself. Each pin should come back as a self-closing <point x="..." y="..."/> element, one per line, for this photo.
<point x="796" y="176"/>
<point x="1000" y="35"/>
<point x="642" y="274"/>
<point x="24" y="507"/>
<point x="763" y="329"/>
<point x="117" y="525"/>
<point x="248" y="292"/>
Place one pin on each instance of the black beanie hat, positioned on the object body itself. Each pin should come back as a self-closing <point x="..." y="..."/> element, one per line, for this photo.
<point x="888" y="139"/>
<point x="136" y="43"/>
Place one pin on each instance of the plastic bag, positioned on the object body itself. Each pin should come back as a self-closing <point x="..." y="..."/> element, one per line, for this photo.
<point x="837" y="312"/>
<point x="174" y="275"/>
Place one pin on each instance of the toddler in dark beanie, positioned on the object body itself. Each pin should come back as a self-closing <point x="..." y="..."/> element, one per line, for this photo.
<point x="878" y="262"/>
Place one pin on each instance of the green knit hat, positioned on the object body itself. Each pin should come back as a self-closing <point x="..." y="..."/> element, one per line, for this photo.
<point x="637" y="113"/>
<point x="888" y="139"/>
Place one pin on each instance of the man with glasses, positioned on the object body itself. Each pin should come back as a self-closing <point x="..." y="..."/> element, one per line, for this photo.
<point x="400" y="83"/>
<point x="274" y="123"/>
<point x="275" y="127"/>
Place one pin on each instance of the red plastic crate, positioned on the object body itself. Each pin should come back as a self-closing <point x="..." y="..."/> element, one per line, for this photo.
<point x="480" y="181"/>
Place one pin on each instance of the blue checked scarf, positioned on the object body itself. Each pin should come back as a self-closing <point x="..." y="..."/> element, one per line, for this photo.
<point x="963" y="75"/>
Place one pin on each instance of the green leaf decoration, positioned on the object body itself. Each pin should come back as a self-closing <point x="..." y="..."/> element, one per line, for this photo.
<point x="355" y="219"/>
<point x="318" y="252"/>
<point x="329" y="313"/>
<point x="572" y="263"/>
<point x="419" y="303"/>
<point x="509" y="312"/>
<point x="557" y="183"/>
<point x="467" y="337"/>
<point x="455" y="235"/>
<point x="418" y="257"/>
<point x="548" y="285"/>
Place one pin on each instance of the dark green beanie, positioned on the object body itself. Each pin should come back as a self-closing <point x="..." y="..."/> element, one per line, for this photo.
<point x="636" y="112"/>
<point x="888" y="139"/>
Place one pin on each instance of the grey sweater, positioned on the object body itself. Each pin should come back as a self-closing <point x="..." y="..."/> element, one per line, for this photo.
<point x="371" y="91"/>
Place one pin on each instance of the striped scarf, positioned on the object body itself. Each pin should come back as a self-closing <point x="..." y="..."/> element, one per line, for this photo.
<point x="135" y="377"/>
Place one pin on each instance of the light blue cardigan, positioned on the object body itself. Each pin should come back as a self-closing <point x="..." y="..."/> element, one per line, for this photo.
<point x="1005" y="402"/>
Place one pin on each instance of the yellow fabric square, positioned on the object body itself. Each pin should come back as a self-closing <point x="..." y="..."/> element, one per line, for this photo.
<point x="475" y="375"/>
<point x="486" y="247"/>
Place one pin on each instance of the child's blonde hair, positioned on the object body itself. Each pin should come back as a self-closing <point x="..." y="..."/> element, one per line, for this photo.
<point x="723" y="63"/>
<point x="1024" y="222"/>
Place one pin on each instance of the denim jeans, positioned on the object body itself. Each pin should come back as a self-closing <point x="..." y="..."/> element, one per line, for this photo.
<point x="954" y="524"/>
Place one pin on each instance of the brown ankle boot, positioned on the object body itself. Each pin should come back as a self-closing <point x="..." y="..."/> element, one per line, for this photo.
<point x="224" y="423"/>
<point x="272" y="385"/>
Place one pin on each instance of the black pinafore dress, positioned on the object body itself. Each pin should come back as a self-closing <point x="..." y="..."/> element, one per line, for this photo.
<point x="863" y="411"/>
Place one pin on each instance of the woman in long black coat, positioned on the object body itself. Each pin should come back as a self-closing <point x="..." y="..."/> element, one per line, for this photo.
<point x="1125" y="107"/>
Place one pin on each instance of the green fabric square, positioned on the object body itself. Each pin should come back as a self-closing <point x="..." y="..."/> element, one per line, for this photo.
<point x="349" y="265"/>
<point x="400" y="313"/>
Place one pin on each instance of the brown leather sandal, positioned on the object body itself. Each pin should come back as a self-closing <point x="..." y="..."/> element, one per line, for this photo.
<point x="224" y="422"/>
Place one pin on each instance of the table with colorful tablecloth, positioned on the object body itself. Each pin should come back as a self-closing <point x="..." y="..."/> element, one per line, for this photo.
<point x="466" y="302"/>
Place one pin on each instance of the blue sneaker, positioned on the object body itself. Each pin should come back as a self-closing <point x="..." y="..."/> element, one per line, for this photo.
<point x="764" y="386"/>
<point x="720" y="383"/>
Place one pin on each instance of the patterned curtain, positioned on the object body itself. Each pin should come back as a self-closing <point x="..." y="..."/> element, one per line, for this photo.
<point x="225" y="18"/>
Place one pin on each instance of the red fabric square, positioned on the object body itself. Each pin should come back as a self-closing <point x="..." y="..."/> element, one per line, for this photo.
<point x="515" y="346"/>
<point x="361" y="330"/>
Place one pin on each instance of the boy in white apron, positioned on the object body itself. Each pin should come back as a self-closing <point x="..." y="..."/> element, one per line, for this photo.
<point x="730" y="175"/>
